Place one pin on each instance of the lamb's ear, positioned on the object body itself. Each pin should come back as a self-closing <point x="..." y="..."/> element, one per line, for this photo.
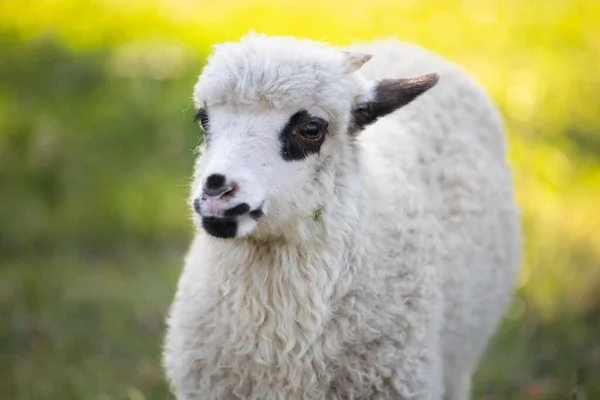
<point x="387" y="96"/>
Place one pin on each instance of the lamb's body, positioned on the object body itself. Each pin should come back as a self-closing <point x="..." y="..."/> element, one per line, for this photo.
<point x="391" y="290"/>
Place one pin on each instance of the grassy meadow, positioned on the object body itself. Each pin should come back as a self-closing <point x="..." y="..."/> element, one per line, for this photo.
<point x="96" y="147"/>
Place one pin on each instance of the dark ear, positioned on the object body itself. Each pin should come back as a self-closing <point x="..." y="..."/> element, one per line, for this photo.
<point x="389" y="95"/>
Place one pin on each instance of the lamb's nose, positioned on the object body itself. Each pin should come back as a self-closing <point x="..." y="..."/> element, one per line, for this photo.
<point x="215" y="186"/>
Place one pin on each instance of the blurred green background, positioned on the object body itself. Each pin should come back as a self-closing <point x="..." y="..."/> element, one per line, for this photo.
<point x="96" y="146"/>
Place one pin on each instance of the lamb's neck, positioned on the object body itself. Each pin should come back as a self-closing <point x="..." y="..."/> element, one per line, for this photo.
<point x="319" y="261"/>
<point x="281" y="295"/>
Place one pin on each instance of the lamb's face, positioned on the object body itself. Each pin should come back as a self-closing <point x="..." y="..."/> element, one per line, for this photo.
<point x="276" y="113"/>
<point x="263" y="166"/>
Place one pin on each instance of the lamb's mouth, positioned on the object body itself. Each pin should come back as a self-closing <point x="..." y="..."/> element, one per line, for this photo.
<point x="225" y="226"/>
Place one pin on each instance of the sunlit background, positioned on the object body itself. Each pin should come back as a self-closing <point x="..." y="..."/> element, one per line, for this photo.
<point x="95" y="156"/>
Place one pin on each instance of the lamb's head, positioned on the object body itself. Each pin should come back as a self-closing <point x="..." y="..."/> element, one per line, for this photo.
<point x="280" y="116"/>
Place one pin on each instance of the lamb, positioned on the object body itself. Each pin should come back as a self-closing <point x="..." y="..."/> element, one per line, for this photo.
<point x="356" y="233"/>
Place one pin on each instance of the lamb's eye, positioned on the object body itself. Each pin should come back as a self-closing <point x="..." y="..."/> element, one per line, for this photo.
<point x="312" y="130"/>
<point x="202" y="117"/>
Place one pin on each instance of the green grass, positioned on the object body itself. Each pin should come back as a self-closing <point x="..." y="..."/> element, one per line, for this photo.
<point x="85" y="327"/>
<point x="534" y="359"/>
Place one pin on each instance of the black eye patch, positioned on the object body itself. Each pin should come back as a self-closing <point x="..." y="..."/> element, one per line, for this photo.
<point x="297" y="142"/>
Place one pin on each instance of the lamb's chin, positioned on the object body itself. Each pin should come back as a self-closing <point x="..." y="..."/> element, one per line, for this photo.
<point x="222" y="228"/>
<point x="228" y="228"/>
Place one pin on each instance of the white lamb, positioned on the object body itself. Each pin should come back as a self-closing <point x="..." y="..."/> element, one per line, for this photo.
<point x="344" y="250"/>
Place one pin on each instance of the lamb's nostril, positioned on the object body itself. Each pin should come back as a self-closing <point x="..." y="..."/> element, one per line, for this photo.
<point x="217" y="192"/>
